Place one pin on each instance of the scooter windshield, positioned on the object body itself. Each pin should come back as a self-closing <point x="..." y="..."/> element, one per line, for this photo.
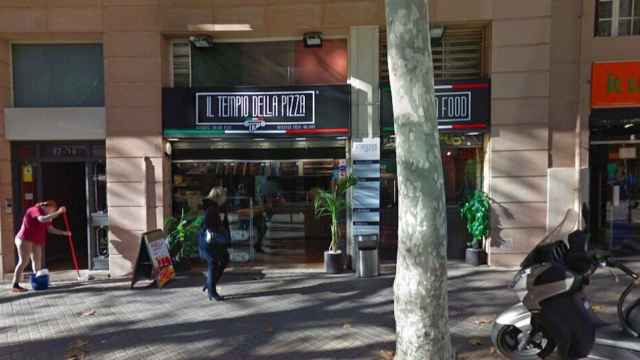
<point x="567" y="225"/>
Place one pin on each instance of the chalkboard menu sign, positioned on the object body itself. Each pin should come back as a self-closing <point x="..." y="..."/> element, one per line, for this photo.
<point x="153" y="261"/>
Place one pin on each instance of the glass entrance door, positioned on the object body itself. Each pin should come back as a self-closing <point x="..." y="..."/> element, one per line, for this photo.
<point x="615" y="196"/>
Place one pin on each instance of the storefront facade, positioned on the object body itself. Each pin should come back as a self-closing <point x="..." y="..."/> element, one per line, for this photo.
<point x="537" y="129"/>
<point x="614" y="195"/>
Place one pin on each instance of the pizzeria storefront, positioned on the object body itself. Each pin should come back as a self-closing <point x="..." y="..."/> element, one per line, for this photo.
<point x="614" y="163"/>
<point x="269" y="147"/>
<point x="463" y="113"/>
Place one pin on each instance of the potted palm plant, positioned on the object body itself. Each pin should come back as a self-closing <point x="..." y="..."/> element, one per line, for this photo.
<point x="182" y="235"/>
<point x="475" y="211"/>
<point x="332" y="204"/>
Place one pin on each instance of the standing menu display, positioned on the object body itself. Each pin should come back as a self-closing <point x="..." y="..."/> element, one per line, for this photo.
<point x="365" y="195"/>
<point x="153" y="260"/>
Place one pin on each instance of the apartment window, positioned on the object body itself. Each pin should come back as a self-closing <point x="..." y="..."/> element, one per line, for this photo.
<point x="58" y="75"/>
<point x="618" y="18"/>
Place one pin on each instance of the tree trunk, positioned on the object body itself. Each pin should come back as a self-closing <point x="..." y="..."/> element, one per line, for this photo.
<point x="420" y="287"/>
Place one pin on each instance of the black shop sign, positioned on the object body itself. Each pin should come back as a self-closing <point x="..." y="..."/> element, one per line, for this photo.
<point x="460" y="106"/>
<point x="258" y="108"/>
<point x="264" y="111"/>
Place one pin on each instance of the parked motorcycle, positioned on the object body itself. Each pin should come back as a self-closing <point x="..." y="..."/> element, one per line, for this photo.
<point x="555" y="314"/>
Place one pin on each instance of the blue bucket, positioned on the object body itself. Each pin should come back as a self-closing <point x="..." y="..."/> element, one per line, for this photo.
<point x="39" y="282"/>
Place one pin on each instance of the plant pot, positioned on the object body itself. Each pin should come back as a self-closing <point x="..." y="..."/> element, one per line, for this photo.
<point x="475" y="257"/>
<point x="333" y="262"/>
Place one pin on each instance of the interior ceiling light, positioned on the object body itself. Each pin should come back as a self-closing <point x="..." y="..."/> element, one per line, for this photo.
<point x="220" y="27"/>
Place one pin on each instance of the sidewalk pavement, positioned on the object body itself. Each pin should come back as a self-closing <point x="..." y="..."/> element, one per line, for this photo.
<point x="268" y="315"/>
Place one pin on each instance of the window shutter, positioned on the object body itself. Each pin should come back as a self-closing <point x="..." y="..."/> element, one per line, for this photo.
<point x="181" y="63"/>
<point x="457" y="56"/>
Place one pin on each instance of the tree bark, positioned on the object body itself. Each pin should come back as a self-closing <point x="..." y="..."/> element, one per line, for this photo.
<point x="420" y="288"/>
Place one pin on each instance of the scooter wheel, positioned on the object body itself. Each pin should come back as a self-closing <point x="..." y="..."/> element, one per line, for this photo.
<point x="506" y="339"/>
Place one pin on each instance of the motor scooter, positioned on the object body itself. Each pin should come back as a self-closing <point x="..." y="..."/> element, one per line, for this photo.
<point x="554" y="313"/>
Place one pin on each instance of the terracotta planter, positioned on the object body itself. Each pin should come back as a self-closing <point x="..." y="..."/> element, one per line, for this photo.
<point x="333" y="262"/>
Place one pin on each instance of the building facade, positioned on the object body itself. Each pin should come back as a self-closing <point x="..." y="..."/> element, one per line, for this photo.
<point x="113" y="108"/>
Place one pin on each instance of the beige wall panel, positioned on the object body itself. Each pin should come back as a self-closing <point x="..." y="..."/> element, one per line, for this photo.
<point x="132" y="44"/>
<point x="519" y="189"/>
<point x="521" y="32"/>
<point x="352" y="13"/>
<point x="179" y="19"/>
<point x="143" y="95"/>
<point x="131" y="18"/>
<point x="5" y="52"/>
<point x="564" y="83"/>
<point x="5" y="153"/>
<point x="519" y="111"/>
<point x="120" y="266"/>
<point x="5" y="170"/>
<point x="127" y="217"/>
<point x="5" y="74"/>
<point x="620" y="48"/>
<point x="520" y="85"/>
<point x="565" y="31"/>
<point x="74" y="3"/>
<point x="127" y="121"/>
<point x="524" y="137"/>
<point x="125" y="169"/>
<point x="186" y="3"/>
<point x="126" y="194"/>
<point x="508" y="9"/>
<point x="23" y="19"/>
<point x="515" y="240"/>
<point x="220" y="3"/>
<point x="284" y="18"/>
<point x="461" y="10"/>
<point x="519" y="163"/>
<point x="252" y="15"/>
<point x="134" y="146"/>
<point x="519" y="215"/>
<point x="124" y="241"/>
<point x="130" y="2"/>
<point x="133" y="70"/>
<point x="75" y="20"/>
<point x="23" y="3"/>
<point x="506" y="259"/>
<point x="521" y="58"/>
<point x="563" y="144"/>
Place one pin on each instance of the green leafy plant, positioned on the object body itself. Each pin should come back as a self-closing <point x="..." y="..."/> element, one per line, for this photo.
<point x="475" y="211"/>
<point x="332" y="204"/>
<point x="182" y="234"/>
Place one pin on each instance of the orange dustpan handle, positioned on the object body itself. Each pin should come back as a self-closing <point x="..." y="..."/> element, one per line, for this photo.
<point x="71" y="244"/>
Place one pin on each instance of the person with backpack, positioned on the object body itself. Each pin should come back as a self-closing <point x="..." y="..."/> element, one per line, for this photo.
<point x="213" y="241"/>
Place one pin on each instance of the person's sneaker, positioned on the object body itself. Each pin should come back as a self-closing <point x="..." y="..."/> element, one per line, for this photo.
<point x="17" y="289"/>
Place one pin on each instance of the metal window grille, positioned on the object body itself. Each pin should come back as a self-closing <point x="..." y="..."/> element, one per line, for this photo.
<point x="459" y="55"/>
<point x="181" y="63"/>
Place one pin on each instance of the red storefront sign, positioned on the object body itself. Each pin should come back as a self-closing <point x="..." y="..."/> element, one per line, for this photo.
<point x="615" y="84"/>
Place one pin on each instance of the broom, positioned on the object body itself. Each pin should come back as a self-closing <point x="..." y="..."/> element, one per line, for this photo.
<point x="71" y="245"/>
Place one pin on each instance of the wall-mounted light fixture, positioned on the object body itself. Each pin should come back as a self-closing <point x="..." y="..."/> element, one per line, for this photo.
<point x="437" y="32"/>
<point x="312" y="39"/>
<point x="201" y="41"/>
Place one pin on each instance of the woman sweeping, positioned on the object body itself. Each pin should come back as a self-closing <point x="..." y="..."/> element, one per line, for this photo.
<point x="32" y="238"/>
